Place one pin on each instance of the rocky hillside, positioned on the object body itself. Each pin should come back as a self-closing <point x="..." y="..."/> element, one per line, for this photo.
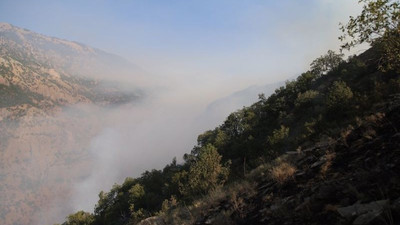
<point x="323" y="149"/>
<point x="41" y="78"/>
<point x="41" y="71"/>
<point x="352" y="179"/>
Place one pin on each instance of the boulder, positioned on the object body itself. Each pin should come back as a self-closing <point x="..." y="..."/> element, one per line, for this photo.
<point x="364" y="213"/>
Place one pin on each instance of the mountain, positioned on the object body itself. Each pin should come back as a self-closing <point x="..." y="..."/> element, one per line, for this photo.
<point x="51" y="91"/>
<point x="217" y="110"/>
<point x="36" y="69"/>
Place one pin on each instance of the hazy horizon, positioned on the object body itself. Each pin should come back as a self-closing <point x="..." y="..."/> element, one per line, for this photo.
<point x="222" y="45"/>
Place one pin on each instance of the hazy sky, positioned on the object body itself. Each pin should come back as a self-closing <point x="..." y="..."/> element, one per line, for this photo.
<point x="207" y="42"/>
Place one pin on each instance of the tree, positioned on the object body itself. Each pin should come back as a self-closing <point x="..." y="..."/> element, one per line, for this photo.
<point x="80" y="218"/>
<point x="378" y="25"/>
<point x="339" y="96"/>
<point x="277" y="141"/>
<point x="304" y="99"/>
<point x="326" y="63"/>
<point x="136" y="192"/>
<point x="206" y="173"/>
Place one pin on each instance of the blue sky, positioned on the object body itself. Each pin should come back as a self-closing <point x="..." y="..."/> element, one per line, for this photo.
<point x="223" y="41"/>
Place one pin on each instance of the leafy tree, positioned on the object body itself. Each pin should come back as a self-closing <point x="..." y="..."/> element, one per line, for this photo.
<point x="106" y="200"/>
<point x="113" y="206"/>
<point x="339" y="95"/>
<point x="206" y="173"/>
<point x="180" y="179"/>
<point x="276" y="141"/>
<point x="305" y="99"/>
<point x="326" y="63"/>
<point x="234" y="125"/>
<point x="136" y="192"/>
<point x="168" y="204"/>
<point x="80" y="218"/>
<point x="379" y="25"/>
<point x="304" y="81"/>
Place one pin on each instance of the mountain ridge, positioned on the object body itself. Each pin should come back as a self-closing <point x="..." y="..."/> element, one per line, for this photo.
<point x="42" y="79"/>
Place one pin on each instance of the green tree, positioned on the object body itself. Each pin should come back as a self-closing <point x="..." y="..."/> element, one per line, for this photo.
<point x="135" y="193"/>
<point x="339" y="95"/>
<point x="80" y="218"/>
<point x="305" y="99"/>
<point x="326" y="63"/>
<point x="276" y="141"/>
<point x="206" y="173"/>
<point x="378" y="25"/>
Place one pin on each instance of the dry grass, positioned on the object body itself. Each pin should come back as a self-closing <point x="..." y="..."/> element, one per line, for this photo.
<point x="282" y="172"/>
<point x="233" y="194"/>
<point x="329" y="156"/>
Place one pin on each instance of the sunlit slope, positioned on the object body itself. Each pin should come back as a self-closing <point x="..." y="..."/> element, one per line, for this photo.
<point x="42" y="133"/>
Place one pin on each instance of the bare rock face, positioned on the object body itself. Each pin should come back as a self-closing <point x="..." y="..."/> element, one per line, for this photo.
<point x="41" y="138"/>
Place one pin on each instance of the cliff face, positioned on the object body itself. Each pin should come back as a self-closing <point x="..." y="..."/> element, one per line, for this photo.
<point x="41" y="135"/>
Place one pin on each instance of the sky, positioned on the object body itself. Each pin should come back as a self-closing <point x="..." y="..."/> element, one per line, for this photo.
<point x="222" y="44"/>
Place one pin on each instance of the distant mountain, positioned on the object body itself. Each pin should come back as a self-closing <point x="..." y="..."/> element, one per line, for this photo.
<point x="40" y="78"/>
<point x="42" y="71"/>
<point x="217" y="111"/>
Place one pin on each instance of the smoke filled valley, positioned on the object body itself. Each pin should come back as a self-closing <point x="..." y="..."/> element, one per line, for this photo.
<point x="214" y="112"/>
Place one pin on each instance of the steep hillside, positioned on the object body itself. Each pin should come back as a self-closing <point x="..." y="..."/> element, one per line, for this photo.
<point x="42" y="133"/>
<point x="340" y="130"/>
<point x="350" y="179"/>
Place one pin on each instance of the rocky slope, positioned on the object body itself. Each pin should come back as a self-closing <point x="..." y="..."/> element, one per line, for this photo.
<point x="353" y="179"/>
<point x="41" y="135"/>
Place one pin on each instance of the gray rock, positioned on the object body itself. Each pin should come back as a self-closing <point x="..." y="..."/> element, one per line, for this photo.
<point x="358" y="209"/>
<point x="318" y="163"/>
<point x="365" y="212"/>
<point x="367" y="217"/>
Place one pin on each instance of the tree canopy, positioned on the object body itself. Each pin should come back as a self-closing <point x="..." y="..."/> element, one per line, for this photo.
<point x="326" y="63"/>
<point x="378" y="24"/>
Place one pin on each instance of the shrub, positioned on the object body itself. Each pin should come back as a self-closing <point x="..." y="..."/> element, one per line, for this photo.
<point x="339" y="95"/>
<point x="282" y="172"/>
